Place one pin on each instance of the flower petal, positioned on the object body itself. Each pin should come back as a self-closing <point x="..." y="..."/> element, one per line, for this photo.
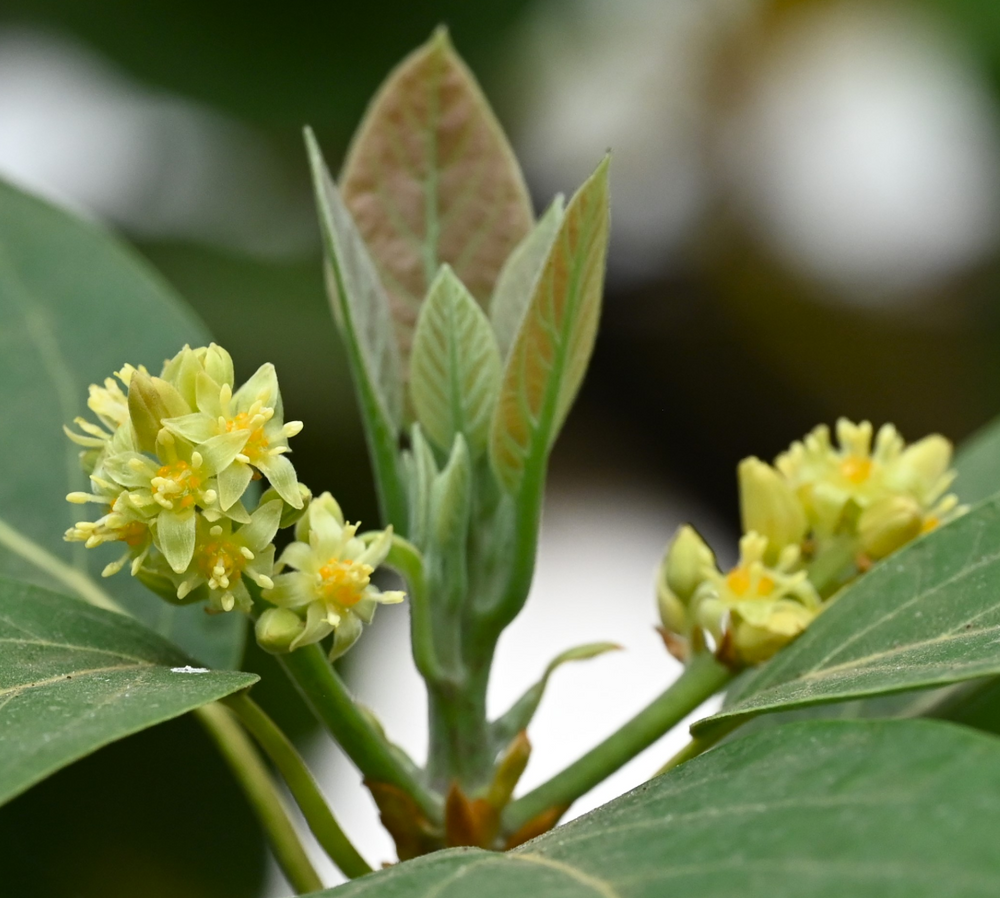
<point x="220" y="451"/>
<point x="196" y="428"/>
<point x="280" y="472"/>
<point x="262" y="527"/>
<point x="347" y="633"/>
<point x="233" y="483"/>
<point x="317" y="626"/>
<point x="175" y="531"/>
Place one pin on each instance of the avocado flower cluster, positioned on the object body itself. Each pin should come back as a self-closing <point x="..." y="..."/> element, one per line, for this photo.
<point x="822" y="514"/>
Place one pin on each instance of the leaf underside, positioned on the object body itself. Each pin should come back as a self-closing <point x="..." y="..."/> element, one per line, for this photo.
<point x="886" y="809"/>
<point x="430" y="179"/>
<point x="74" y="678"/>
<point x="75" y="305"/>
<point x="555" y="339"/>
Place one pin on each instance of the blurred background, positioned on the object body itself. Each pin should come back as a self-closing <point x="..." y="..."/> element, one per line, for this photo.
<point x="806" y="224"/>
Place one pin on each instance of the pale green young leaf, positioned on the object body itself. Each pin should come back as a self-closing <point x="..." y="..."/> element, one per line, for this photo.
<point x="520" y="714"/>
<point x="431" y="179"/>
<point x="555" y="338"/>
<point x="451" y="495"/>
<point x="421" y="472"/>
<point x="516" y="283"/>
<point x="455" y="366"/>
<point x="928" y="615"/>
<point x="74" y="678"/>
<point x="75" y="305"/>
<point x="882" y="809"/>
<point x="361" y="309"/>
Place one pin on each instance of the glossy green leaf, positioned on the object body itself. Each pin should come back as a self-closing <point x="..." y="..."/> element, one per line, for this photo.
<point x="887" y="809"/>
<point x="555" y="339"/>
<point x="516" y="283"/>
<point x="927" y="615"/>
<point x="361" y="310"/>
<point x="455" y="366"/>
<point x="75" y="305"/>
<point x="74" y="678"/>
<point x="431" y="179"/>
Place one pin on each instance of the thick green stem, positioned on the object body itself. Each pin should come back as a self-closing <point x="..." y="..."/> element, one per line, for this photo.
<point x="262" y="793"/>
<point x="701" y="679"/>
<point x="328" y="696"/>
<point x="301" y="784"/>
<point x="459" y="733"/>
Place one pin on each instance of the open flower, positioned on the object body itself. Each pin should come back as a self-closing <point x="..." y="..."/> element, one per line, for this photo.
<point x="329" y="585"/>
<point x="224" y="554"/>
<point x="755" y="609"/>
<point x="254" y="415"/>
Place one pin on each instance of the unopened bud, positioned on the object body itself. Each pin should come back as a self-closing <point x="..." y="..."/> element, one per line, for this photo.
<point x="888" y="524"/>
<point x="920" y="468"/>
<point x="150" y="400"/>
<point x="768" y="506"/>
<point x="277" y="629"/>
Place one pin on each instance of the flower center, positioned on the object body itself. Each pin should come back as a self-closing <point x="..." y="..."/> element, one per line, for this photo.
<point x="257" y="444"/>
<point x="133" y="533"/>
<point x="739" y="582"/>
<point x="856" y="469"/>
<point x="222" y="563"/>
<point x="176" y="484"/>
<point x="343" y="582"/>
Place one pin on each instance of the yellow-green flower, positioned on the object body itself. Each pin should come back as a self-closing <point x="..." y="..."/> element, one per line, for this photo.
<point x="329" y="584"/>
<point x="254" y="415"/>
<point x="225" y="553"/>
<point x="756" y="608"/>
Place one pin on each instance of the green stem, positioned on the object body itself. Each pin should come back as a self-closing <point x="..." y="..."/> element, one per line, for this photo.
<point x="407" y="559"/>
<point x="328" y="696"/>
<point x="262" y="793"/>
<point x="701" y="679"/>
<point x="301" y="784"/>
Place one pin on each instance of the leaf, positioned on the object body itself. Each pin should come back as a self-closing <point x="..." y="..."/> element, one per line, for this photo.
<point x="74" y="678"/>
<point x="978" y="464"/>
<point x="516" y="283"/>
<point x="555" y="339"/>
<point x="519" y="715"/>
<point x="76" y="305"/>
<point x="361" y="310"/>
<point x="820" y="809"/>
<point x="455" y="366"/>
<point x="431" y="179"/>
<point x="928" y="615"/>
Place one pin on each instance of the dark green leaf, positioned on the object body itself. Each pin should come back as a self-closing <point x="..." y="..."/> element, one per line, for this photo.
<point x="74" y="678"/>
<point x="978" y="465"/>
<point x="75" y="305"/>
<point x="928" y="615"/>
<point x="887" y="809"/>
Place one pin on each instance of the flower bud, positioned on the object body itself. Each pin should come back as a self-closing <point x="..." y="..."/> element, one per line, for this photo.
<point x="922" y="468"/>
<point x="768" y="506"/>
<point x="150" y="400"/>
<point x="888" y="524"/>
<point x="684" y="564"/>
<point x="277" y="629"/>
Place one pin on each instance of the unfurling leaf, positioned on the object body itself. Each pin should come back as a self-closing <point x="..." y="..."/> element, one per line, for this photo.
<point x="517" y="718"/>
<point x="516" y="284"/>
<point x="431" y="179"/>
<point x="555" y="339"/>
<point x="455" y="366"/>
<point x="74" y="678"/>
<point x="361" y="309"/>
